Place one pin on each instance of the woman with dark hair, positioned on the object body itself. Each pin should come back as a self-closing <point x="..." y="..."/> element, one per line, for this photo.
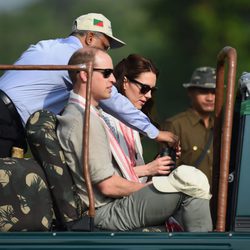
<point x="129" y="69"/>
<point x="136" y="79"/>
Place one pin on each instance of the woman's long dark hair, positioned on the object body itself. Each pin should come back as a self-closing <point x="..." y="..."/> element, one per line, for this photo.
<point x="131" y="67"/>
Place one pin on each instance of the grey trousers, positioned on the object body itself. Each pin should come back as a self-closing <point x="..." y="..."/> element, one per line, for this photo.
<point x="149" y="207"/>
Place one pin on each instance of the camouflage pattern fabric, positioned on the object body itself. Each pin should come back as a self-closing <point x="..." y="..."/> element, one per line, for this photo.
<point x="202" y="77"/>
<point x="25" y="201"/>
<point x="45" y="147"/>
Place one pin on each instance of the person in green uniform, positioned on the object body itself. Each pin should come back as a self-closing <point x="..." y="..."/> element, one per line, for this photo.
<point x="194" y="126"/>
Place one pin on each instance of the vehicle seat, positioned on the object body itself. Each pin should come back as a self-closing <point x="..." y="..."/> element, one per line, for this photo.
<point x="45" y="147"/>
<point x="25" y="200"/>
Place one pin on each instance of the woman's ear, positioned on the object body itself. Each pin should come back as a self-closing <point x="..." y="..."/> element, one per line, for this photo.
<point x="125" y="83"/>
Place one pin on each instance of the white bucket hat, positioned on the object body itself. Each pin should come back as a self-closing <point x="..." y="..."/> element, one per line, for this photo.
<point x="186" y="179"/>
<point x="97" y="22"/>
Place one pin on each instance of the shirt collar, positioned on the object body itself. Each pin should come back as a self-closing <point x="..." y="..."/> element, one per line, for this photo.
<point x="76" y="96"/>
<point x="195" y="118"/>
<point x="82" y="101"/>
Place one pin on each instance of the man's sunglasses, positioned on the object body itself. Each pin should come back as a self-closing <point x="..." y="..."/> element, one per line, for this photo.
<point x="144" y="88"/>
<point x="105" y="72"/>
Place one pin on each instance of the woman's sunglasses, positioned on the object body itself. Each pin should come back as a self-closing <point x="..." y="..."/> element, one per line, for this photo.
<point x="144" y="88"/>
<point x="105" y="72"/>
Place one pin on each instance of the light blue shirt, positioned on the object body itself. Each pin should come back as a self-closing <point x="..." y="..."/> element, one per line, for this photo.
<point x="33" y="90"/>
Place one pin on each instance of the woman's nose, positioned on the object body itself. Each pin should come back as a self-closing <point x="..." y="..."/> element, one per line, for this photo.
<point x="148" y="94"/>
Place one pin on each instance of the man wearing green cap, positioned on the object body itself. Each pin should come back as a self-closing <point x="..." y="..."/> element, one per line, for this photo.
<point x="194" y="126"/>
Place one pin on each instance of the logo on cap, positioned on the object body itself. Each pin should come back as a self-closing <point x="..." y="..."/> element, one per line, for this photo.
<point x="97" y="22"/>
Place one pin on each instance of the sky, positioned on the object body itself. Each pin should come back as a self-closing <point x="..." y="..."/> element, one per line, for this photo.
<point x="14" y="5"/>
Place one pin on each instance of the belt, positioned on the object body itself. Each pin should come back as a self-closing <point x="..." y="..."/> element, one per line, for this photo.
<point x="11" y="107"/>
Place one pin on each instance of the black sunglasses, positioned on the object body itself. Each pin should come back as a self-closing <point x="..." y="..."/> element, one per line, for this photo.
<point x="144" y="88"/>
<point x="105" y="72"/>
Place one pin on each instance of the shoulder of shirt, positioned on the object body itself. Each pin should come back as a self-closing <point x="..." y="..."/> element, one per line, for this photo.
<point x="184" y="118"/>
<point x="177" y="117"/>
<point x="70" y="115"/>
<point x="68" y="42"/>
<point x="76" y="113"/>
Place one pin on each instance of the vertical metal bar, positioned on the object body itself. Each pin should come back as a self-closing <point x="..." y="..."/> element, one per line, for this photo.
<point x="86" y="142"/>
<point x="219" y="99"/>
<point x="222" y="136"/>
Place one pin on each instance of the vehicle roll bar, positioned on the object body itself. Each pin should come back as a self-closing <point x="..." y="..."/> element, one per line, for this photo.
<point x="89" y="69"/>
<point x="223" y="132"/>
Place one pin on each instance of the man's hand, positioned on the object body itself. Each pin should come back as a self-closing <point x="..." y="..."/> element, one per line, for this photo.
<point x="165" y="136"/>
<point x="171" y="139"/>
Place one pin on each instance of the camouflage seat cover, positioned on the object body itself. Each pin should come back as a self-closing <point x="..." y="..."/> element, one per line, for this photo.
<point x="45" y="147"/>
<point x="25" y="201"/>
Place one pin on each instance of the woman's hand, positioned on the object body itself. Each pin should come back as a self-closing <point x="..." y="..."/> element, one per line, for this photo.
<point x="160" y="166"/>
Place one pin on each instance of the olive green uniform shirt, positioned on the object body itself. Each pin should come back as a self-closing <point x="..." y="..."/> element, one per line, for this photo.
<point x="193" y="138"/>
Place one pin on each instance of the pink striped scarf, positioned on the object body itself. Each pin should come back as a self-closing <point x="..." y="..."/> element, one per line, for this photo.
<point x="130" y="141"/>
<point x="123" y="161"/>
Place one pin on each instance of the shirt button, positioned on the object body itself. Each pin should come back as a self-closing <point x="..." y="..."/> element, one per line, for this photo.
<point x="195" y="148"/>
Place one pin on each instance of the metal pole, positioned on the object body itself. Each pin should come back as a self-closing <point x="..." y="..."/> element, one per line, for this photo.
<point x="43" y="67"/>
<point x="222" y="136"/>
<point x="86" y="146"/>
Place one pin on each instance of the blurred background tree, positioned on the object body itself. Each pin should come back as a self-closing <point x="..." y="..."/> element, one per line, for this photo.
<point x="177" y="35"/>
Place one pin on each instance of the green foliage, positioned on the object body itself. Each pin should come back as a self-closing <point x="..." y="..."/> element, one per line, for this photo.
<point x="177" y="35"/>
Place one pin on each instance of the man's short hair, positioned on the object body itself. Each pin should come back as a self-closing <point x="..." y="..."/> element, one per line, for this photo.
<point x="81" y="56"/>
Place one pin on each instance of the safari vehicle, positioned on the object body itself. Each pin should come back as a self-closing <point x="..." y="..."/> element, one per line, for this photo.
<point x="230" y="199"/>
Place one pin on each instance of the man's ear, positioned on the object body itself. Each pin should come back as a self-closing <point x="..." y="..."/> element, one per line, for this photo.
<point x="83" y="76"/>
<point x="89" y="38"/>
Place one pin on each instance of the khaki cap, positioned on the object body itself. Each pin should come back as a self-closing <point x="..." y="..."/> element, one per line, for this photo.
<point x="97" y="22"/>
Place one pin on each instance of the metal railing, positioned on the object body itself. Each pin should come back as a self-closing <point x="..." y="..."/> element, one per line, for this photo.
<point x="89" y="69"/>
<point x="223" y="132"/>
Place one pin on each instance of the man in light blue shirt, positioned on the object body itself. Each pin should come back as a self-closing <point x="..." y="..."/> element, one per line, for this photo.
<point x="30" y="91"/>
